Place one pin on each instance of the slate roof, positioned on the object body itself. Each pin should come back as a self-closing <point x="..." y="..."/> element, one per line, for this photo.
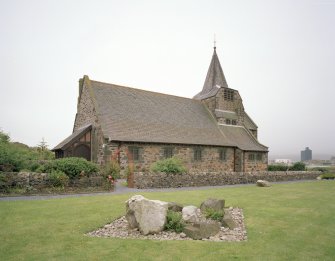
<point x="214" y="80"/>
<point x="133" y="115"/>
<point x="242" y="138"/>
<point x="72" y="138"/>
<point x="249" y="123"/>
<point x="128" y="114"/>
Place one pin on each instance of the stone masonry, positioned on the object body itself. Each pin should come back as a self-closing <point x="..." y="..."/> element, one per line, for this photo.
<point x="41" y="180"/>
<point x="150" y="153"/>
<point x="164" y="180"/>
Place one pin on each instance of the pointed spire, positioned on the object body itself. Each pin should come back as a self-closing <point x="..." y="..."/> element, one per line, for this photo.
<point x="214" y="79"/>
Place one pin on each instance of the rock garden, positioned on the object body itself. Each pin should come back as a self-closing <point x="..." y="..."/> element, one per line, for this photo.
<point x="159" y="220"/>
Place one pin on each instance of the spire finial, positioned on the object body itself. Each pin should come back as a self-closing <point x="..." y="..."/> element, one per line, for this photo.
<point x="214" y="42"/>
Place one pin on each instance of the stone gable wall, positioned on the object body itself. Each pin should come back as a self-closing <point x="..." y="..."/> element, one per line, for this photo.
<point x="144" y="180"/>
<point x="85" y="110"/>
<point x="218" y="102"/>
<point x="86" y="114"/>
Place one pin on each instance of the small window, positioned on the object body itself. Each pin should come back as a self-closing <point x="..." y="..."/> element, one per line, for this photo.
<point x="251" y="157"/>
<point x="228" y="95"/>
<point x="228" y="121"/>
<point x="135" y="153"/>
<point x="233" y="122"/>
<point x="259" y="157"/>
<point x="223" y="154"/>
<point x="197" y="154"/>
<point x="168" y="152"/>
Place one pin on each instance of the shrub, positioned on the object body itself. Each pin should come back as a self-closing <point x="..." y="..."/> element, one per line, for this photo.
<point x="72" y="167"/>
<point x="3" y="183"/>
<point x="277" y="168"/>
<point x="111" y="168"/>
<point x="322" y="169"/>
<point x="174" y="221"/>
<point x="58" y="179"/>
<point x="10" y="159"/>
<point x="328" y="176"/>
<point x="298" y="166"/>
<point x="170" y="165"/>
<point x="214" y="214"/>
<point x="15" y="156"/>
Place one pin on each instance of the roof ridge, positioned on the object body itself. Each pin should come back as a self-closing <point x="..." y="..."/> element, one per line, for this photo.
<point x="141" y="90"/>
<point x="215" y="121"/>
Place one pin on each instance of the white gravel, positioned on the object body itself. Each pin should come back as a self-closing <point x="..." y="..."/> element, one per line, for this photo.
<point x="119" y="229"/>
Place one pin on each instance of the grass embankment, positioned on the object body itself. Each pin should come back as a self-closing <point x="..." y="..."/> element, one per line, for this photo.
<point x="284" y="222"/>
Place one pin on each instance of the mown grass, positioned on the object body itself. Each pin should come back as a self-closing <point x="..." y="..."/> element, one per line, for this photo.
<point x="284" y="222"/>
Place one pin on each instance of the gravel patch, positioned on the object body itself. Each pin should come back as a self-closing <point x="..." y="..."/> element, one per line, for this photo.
<point x="119" y="229"/>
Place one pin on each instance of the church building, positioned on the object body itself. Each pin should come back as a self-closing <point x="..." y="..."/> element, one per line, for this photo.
<point x="210" y="132"/>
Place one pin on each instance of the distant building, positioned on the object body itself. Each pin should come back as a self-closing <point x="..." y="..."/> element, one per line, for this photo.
<point x="332" y="160"/>
<point x="306" y="154"/>
<point x="283" y="161"/>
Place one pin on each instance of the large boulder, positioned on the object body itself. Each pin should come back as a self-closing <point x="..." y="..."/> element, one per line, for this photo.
<point x="263" y="183"/>
<point x="148" y="215"/>
<point x="200" y="230"/>
<point x="191" y="214"/>
<point x="212" y="203"/>
<point x="228" y="220"/>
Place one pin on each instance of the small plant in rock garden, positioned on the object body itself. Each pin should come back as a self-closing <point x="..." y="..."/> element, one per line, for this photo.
<point x="174" y="221"/>
<point x="214" y="214"/>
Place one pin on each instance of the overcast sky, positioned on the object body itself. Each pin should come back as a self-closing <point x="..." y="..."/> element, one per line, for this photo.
<point x="280" y="56"/>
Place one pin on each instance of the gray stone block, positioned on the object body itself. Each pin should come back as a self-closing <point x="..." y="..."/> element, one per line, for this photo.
<point x="202" y="230"/>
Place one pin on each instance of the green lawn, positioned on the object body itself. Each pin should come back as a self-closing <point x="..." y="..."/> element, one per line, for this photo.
<point x="284" y="222"/>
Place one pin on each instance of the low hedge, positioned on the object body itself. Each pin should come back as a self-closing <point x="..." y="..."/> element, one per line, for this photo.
<point x="298" y="166"/>
<point x="328" y="176"/>
<point x="71" y="166"/>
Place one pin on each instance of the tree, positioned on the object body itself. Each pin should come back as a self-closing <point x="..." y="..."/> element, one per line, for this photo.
<point x="43" y="151"/>
<point x="4" y="137"/>
<point x="42" y="146"/>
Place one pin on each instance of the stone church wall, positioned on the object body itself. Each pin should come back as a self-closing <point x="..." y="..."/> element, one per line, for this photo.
<point x="255" y="164"/>
<point x="150" y="153"/>
<point x="144" y="180"/>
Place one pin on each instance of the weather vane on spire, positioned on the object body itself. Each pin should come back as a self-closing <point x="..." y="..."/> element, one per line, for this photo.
<point x="214" y="41"/>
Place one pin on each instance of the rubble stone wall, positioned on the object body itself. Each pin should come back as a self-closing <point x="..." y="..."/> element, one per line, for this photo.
<point x="165" y="180"/>
<point x="40" y="180"/>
